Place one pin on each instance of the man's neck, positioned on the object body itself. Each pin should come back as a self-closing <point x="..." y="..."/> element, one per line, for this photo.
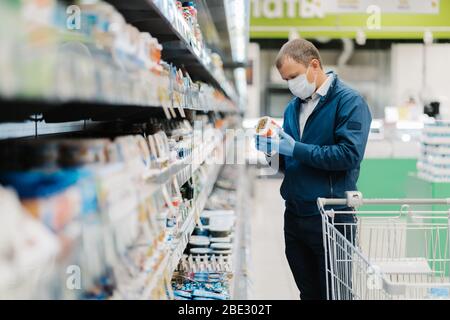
<point x="321" y="78"/>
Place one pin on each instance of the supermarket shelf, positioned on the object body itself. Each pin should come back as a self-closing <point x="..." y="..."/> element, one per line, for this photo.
<point x="211" y="36"/>
<point x="218" y="15"/>
<point x="186" y="229"/>
<point x="170" y="262"/>
<point x="32" y="129"/>
<point x="191" y="221"/>
<point x="168" y="173"/>
<point x="147" y="16"/>
<point x="155" y="277"/>
<point x="16" y="110"/>
<point x="178" y="49"/>
<point x="238" y="288"/>
<point x="183" y="169"/>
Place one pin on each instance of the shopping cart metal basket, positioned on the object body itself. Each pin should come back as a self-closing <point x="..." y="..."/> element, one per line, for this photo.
<point x="386" y="254"/>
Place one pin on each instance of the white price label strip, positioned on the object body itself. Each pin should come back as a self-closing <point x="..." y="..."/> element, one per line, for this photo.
<point x="173" y="105"/>
<point x="164" y="100"/>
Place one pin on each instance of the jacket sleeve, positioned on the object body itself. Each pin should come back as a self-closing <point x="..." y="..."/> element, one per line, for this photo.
<point x="353" y="121"/>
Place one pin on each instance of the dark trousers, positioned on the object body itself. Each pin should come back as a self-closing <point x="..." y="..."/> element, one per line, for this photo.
<point x="305" y="251"/>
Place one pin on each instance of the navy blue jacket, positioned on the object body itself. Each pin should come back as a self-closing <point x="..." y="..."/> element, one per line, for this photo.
<point x="327" y="158"/>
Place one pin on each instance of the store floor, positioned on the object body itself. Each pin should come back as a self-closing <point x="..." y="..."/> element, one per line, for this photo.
<point x="270" y="275"/>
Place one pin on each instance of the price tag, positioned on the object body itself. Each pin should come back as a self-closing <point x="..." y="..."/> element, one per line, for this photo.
<point x="164" y="100"/>
<point x="160" y="145"/>
<point x="167" y="199"/>
<point x="153" y="149"/>
<point x="179" y="104"/>
<point x="172" y="80"/>
<point x="173" y="104"/>
<point x="168" y="285"/>
<point x="177" y="187"/>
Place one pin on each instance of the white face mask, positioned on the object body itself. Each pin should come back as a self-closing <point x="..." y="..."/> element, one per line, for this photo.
<point x="301" y="87"/>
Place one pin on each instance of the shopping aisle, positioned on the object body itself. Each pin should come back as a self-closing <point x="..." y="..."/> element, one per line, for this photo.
<point x="271" y="276"/>
<point x="113" y="142"/>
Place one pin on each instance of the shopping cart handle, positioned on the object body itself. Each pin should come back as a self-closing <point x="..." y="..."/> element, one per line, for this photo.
<point x="322" y="202"/>
<point x="353" y="199"/>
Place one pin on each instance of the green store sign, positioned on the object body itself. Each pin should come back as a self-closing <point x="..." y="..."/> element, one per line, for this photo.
<point x="372" y="19"/>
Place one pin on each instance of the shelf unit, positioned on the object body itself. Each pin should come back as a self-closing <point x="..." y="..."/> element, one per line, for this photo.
<point x="146" y="15"/>
<point x="170" y="261"/>
<point x="63" y="117"/>
<point x="191" y="221"/>
<point x="240" y="258"/>
<point x="184" y="169"/>
<point x="17" y="110"/>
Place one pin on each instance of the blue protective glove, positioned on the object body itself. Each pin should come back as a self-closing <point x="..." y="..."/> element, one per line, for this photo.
<point x="285" y="145"/>
<point x="263" y="144"/>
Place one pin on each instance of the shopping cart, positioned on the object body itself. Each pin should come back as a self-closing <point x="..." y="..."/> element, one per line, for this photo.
<point x="387" y="254"/>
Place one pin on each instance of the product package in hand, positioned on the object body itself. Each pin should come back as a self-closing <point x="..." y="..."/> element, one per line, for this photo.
<point x="268" y="128"/>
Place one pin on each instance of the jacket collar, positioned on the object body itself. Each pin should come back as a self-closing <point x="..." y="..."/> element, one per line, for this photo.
<point x="330" y="88"/>
<point x="323" y="90"/>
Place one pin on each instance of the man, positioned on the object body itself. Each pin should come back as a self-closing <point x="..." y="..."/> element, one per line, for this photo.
<point x="321" y="146"/>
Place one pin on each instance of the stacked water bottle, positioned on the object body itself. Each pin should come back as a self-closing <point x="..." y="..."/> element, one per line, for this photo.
<point x="434" y="161"/>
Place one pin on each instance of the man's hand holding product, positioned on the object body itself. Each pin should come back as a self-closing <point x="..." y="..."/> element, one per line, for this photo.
<point x="282" y="143"/>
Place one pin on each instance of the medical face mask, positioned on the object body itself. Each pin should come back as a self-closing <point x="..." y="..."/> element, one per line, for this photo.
<point x="301" y="87"/>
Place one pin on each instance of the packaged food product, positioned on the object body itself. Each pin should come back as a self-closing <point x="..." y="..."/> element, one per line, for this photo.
<point x="221" y="246"/>
<point x="219" y="231"/>
<point x="267" y="127"/>
<point x="28" y="251"/>
<point x="199" y="242"/>
<point x="200" y="251"/>
<point x="201" y="231"/>
<point x="221" y="240"/>
<point x="207" y="294"/>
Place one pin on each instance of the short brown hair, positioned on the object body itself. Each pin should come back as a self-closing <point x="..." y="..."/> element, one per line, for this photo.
<point x="300" y="50"/>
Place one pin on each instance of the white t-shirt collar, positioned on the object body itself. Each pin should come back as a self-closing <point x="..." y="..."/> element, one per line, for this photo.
<point x="323" y="90"/>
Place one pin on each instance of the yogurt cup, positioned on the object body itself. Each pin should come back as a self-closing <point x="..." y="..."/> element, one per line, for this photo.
<point x="267" y="127"/>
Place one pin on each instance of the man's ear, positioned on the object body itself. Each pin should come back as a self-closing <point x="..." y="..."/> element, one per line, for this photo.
<point x="315" y="63"/>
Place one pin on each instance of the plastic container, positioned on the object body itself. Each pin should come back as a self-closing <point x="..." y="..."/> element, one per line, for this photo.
<point x="221" y="240"/>
<point x="200" y="251"/>
<point x="219" y="231"/>
<point x="267" y="127"/>
<point x="222" y="252"/>
<point x="199" y="242"/>
<point x="201" y="232"/>
<point x="221" y="246"/>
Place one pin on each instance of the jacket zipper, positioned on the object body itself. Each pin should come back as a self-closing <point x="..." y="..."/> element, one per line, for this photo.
<point x="304" y="128"/>
<point x="319" y="105"/>
<point x="331" y="185"/>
